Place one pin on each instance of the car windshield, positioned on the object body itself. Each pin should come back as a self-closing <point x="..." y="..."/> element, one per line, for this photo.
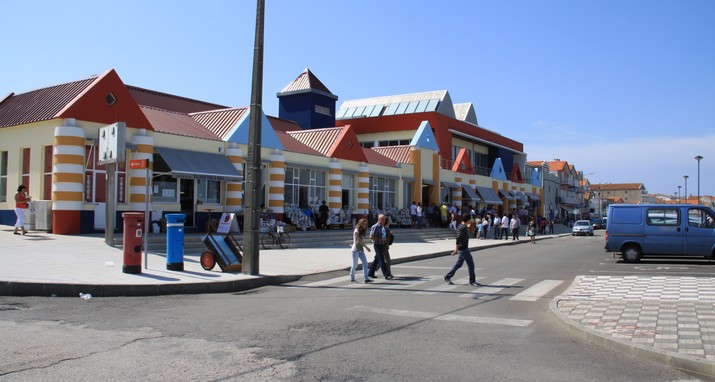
<point x="582" y="222"/>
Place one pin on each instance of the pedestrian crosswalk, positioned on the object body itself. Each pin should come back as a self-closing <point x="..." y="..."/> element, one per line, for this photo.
<point x="517" y="289"/>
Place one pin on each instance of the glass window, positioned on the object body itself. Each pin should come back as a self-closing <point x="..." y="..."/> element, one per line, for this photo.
<point x="26" y="167"/>
<point x="3" y="176"/>
<point x="368" y="110"/>
<point x="432" y="105"/>
<point x="47" y="175"/>
<point x="377" y="111"/>
<point x="411" y="107"/>
<point x="700" y="218"/>
<point x="401" y="108"/>
<point x="341" y="113"/>
<point x="208" y="191"/>
<point x="164" y="189"/>
<point x="421" y="106"/>
<point x="359" y="112"/>
<point x="391" y="109"/>
<point x="663" y="216"/>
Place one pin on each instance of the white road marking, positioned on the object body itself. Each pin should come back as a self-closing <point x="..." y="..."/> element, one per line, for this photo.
<point x="327" y="282"/>
<point x="537" y="291"/>
<point x="498" y="287"/>
<point x="444" y="317"/>
<point x="444" y="287"/>
<point x="420" y="267"/>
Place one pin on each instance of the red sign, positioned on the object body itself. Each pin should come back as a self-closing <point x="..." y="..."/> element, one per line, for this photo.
<point x="138" y="164"/>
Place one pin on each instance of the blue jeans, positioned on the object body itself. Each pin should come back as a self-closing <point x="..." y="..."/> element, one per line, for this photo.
<point x="462" y="256"/>
<point x="361" y="255"/>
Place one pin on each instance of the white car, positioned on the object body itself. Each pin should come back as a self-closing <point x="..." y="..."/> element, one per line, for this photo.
<point x="582" y="227"/>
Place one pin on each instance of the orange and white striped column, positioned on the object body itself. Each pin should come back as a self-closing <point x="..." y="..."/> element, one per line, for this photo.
<point x="457" y="192"/>
<point x="67" y="178"/>
<point x="276" y="184"/>
<point x="363" y="197"/>
<point x="234" y="190"/>
<point x="137" y="177"/>
<point x="335" y="186"/>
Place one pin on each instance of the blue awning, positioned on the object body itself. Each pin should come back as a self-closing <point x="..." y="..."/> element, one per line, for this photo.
<point x="488" y="195"/>
<point x="451" y="184"/>
<point x="470" y="192"/>
<point x="198" y="165"/>
<point x="506" y="195"/>
<point x="520" y="196"/>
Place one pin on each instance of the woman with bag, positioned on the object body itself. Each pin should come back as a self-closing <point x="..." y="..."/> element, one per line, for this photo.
<point x="531" y="230"/>
<point x="358" y="250"/>
<point x="21" y="204"/>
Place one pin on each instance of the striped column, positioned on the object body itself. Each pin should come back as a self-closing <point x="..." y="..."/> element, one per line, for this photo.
<point x="234" y="190"/>
<point x="335" y="187"/>
<point x="457" y="192"/>
<point x="137" y="178"/>
<point x="276" y="184"/>
<point x="67" y="179"/>
<point x="363" y="197"/>
<point x="472" y="185"/>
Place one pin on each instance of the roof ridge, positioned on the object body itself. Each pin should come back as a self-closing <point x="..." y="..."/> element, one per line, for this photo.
<point x="156" y="92"/>
<point x="218" y="110"/>
<point x="93" y="77"/>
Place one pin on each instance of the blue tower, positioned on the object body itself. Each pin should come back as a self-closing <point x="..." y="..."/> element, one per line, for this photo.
<point x="308" y="102"/>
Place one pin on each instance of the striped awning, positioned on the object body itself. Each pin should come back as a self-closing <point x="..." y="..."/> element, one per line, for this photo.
<point x="470" y="192"/>
<point x="506" y="195"/>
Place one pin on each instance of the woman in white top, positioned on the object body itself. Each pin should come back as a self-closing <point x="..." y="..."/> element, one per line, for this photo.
<point x="358" y="249"/>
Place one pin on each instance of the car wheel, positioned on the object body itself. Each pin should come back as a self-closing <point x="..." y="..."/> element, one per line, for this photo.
<point x="631" y="254"/>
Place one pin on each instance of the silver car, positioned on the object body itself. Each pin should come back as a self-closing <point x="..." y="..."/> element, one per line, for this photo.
<point x="582" y="227"/>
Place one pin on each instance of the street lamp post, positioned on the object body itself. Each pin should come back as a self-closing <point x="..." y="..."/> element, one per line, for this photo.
<point x="686" y="188"/>
<point x="699" y="158"/>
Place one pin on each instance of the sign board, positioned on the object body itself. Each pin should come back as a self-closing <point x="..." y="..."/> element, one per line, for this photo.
<point x="138" y="164"/>
<point x="112" y="143"/>
<point x="228" y="223"/>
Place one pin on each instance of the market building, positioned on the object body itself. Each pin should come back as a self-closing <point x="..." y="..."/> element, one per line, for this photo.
<point x="368" y="156"/>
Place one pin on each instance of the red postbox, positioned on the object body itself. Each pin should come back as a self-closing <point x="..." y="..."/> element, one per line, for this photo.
<point x="133" y="234"/>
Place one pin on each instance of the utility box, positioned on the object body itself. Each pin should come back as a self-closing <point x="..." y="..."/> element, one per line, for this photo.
<point x="175" y="241"/>
<point x="43" y="215"/>
<point x="133" y="235"/>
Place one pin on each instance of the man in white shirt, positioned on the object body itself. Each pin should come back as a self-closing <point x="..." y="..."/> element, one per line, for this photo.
<point x="413" y="214"/>
<point x="505" y="227"/>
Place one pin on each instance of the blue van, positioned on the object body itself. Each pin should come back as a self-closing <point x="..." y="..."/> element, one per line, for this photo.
<point x="638" y="230"/>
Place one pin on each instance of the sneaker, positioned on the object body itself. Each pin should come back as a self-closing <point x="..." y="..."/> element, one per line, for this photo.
<point x="372" y="276"/>
<point x="388" y="277"/>
<point x="353" y="281"/>
<point x="447" y="280"/>
<point x="368" y="281"/>
<point x="475" y="284"/>
<point x="16" y="233"/>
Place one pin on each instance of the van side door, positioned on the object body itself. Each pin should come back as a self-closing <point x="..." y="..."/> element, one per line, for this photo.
<point x="663" y="232"/>
<point x="700" y="232"/>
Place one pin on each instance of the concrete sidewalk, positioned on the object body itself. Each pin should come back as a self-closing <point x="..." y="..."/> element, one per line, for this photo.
<point x="670" y="320"/>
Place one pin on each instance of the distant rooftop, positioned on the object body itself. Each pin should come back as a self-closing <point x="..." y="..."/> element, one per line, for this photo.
<point x="438" y="101"/>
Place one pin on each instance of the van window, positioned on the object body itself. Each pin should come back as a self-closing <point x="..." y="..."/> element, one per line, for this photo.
<point x="626" y="215"/>
<point x="700" y="218"/>
<point x="663" y="216"/>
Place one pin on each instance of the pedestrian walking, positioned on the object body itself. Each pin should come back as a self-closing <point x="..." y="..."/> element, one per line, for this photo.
<point x="413" y="214"/>
<point x="379" y="237"/>
<point x="323" y="211"/>
<point x="359" y="249"/>
<point x="443" y="214"/>
<point x="462" y="250"/>
<point x="419" y="215"/>
<point x="22" y="201"/>
<point x="531" y="230"/>
<point x="514" y="225"/>
<point x="497" y="227"/>
<point x="504" y="227"/>
<point x="551" y="227"/>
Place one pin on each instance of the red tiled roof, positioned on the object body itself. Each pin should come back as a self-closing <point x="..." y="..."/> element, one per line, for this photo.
<point x="617" y="186"/>
<point x="280" y="124"/>
<point x="321" y="140"/>
<point x="305" y="82"/>
<point x="373" y="157"/>
<point x="170" y="102"/>
<point x="291" y="144"/>
<point x="535" y="163"/>
<point x="171" y="122"/>
<point x="400" y="154"/>
<point x="557" y="165"/>
<point x="219" y="122"/>
<point x="42" y="104"/>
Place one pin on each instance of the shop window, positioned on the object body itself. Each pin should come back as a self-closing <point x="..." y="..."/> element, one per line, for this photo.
<point x="47" y="174"/>
<point x="95" y="179"/>
<point x="26" y="167"/>
<point x="208" y="191"/>
<point x="164" y="189"/>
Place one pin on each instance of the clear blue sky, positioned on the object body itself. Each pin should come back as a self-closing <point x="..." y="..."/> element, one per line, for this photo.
<point x="623" y="89"/>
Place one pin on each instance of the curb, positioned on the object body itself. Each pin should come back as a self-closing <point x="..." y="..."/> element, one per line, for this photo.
<point x="26" y="289"/>
<point x="697" y="367"/>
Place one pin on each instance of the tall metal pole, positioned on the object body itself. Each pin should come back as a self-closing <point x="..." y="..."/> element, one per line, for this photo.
<point x="253" y="176"/>
<point x="699" y="158"/>
<point x="686" y="188"/>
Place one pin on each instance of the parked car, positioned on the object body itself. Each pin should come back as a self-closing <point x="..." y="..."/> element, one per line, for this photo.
<point x="582" y="227"/>
<point x="598" y="223"/>
<point x="637" y="230"/>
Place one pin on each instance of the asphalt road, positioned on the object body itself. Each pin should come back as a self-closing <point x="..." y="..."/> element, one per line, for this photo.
<point x="411" y="328"/>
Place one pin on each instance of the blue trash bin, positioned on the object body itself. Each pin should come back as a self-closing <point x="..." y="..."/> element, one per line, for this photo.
<point x="175" y="242"/>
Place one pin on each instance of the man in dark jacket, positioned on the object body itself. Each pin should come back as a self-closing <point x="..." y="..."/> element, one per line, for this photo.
<point x="462" y="249"/>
